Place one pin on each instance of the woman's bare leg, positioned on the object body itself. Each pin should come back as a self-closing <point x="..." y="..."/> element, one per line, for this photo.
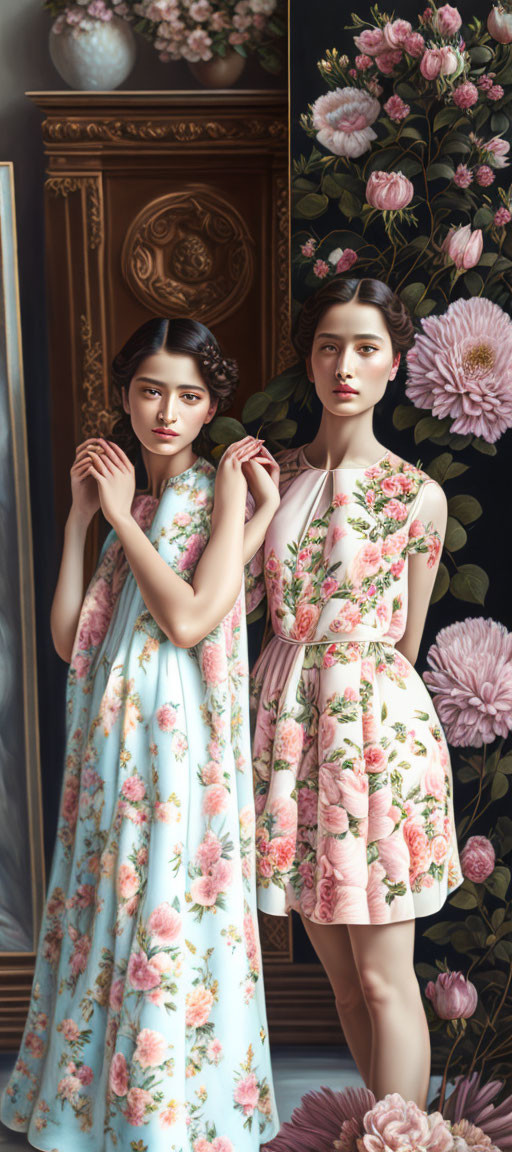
<point x="332" y="946"/>
<point x="400" y="1061"/>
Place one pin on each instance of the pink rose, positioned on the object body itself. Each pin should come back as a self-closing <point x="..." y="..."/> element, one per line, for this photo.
<point x="306" y="618"/>
<point x="209" y="851"/>
<point x="282" y="852"/>
<point x="165" y="924"/>
<point x="371" y="41"/>
<point x="389" y="191"/>
<point x="141" y="973"/>
<point x="190" y="556"/>
<point x="415" y="45"/>
<point x="394" y="858"/>
<point x="222" y="873"/>
<point x="213" y="661"/>
<point x="85" y="1075"/>
<point x="452" y="996"/>
<point x="134" y="788"/>
<point x="388" y="60"/>
<point x="465" y="96"/>
<point x="334" y="819"/>
<point x="391" y="486"/>
<point x="348" y="859"/>
<point x="307" y="806"/>
<point x="288" y="740"/>
<point x="434" y="784"/>
<point x="380" y="824"/>
<point x="347" y="260"/>
<point x="395" y="510"/>
<point x="396" y="109"/>
<point x="447" y="20"/>
<point x="204" y="891"/>
<point x="484" y="176"/>
<point x="119" y="1075"/>
<point x="164" y="812"/>
<point x="366" y="562"/>
<point x="127" y="881"/>
<point x="222" y="1144"/>
<point x="419" y="847"/>
<point x="430" y="64"/>
<point x="463" y="246"/>
<point x="137" y="1100"/>
<point x="375" y="758"/>
<point x="116" y="995"/>
<point x="396" y="33"/>
<point x="395" y="543"/>
<point x="478" y="859"/>
<point x="70" y="1031"/>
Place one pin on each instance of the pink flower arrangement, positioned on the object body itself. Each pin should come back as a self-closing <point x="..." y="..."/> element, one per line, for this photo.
<point x="461" y="366"/>
<point x="471" y="681"/>
<point x="478" y="859"/>
<point x="389" y="191"/>
<point x="343" y="118"/>
<point x="452" y="996"/>
<point x="198" y="30"/>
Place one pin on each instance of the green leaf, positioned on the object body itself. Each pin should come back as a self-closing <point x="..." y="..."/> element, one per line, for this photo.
<point x="426" y="427"/>
<point x="463" y="899"/>
<point x="483" y="446"/>
<point x="444" y="117"/>
<point x="505" y="764"/>
<point x="225" y="430"/>
<point x="440" y="172"/>
<point x="456" y="535"/>
<point x="456" y="470"/>
<point x="412" y="293"/>
<point x="458" y="441"/>
<point x="302" y="184"/>
<point x="504" y="834"/>
<point x="281" y="388"/>
<point x="406" y="91"/>
<point x="499" y="786"/>
<point x="439" y="932"/>
<point x="332" y="184"/>
<point x="483" y="216"/>
<point x="411" y="133"/>
<point x="466" y="508"/>
<point x="405" y="415"/>
<point x="255" y="406"/>
<point x="420" y="242"/>
<point x="311" y="206"/>
<point x="425" y="307"/>
<point x="349" y="204"/>
<point x="438" y="468"/>
<point x="498" y="882"/>
<point x="282" y="429"/>
<point x="470" y="583"/>
<point x="499" y="122"/>
<point x="382" y="160"/>
<point x="441" y="585"/>
<point x="474" y="283"/>
<point x="408" y="166"/>
<point x="480" y="54"/>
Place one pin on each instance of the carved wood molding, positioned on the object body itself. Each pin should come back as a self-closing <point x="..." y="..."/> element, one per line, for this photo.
<point x="165" y="128"/>
<point x="189" y="252"/>
<point x="286" y="354"/>
<point x="91" y="186"/>
<point x="95" y="418"/>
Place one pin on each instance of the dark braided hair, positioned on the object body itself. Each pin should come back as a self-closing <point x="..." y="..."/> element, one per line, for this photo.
<point x="189" y="337"/>
<point x="366" y="291"/>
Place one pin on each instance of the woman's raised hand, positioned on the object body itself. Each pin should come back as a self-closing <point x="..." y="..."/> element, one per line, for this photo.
<point x="84" y="489"/>
<point x="115" y="477"/>
<point x="262" y="474"/>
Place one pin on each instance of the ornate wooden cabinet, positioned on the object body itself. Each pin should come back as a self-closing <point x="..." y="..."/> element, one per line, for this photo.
<point x="172" y="203"/>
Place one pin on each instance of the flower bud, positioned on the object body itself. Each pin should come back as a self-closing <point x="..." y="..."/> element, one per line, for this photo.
<point x="452" y="996"/>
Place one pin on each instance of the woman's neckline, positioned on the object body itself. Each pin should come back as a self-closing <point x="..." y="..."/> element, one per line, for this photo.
<point x="342" y="467"/>
<point x="170" y="480"/>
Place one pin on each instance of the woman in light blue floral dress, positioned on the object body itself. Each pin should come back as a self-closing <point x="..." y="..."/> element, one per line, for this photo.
<point x="147" y="1028"/>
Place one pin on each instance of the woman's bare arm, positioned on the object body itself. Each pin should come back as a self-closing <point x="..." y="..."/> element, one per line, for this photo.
<point x="423" y="566"/>
<point x="69" y="593"/>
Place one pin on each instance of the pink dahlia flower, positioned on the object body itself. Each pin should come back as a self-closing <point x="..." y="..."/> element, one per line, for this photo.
<point x="342" y="119"/>
<point x="475" y="1103"/>
<point x="395" y="1125"/>
<point x="325" y="1120"/>
<point x="389" y="191"/>
<point x="468" y="1138"/>
<point x="478" y="859"/>
<point x="452" y="996"/>
<point x="461" y="366"/>
<point x="471" y="681"/>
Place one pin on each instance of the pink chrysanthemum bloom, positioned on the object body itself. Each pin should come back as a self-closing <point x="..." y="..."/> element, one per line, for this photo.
<point x="484" y="176"/>
<point x="396" y="108"/>
<point x="461" y="366"/>
<point x="465" y="95"/>
<point x="463" y="176"/>
<point x="496" y="92"/>
<point x="471" y="680"/>
<point x="342" y="119"/>
<point x="502" y="217"/>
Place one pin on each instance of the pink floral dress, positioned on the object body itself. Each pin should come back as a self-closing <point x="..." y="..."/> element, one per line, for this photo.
<point x="355" y="820"/>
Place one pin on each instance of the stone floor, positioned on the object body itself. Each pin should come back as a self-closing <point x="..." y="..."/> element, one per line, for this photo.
<point x="296" y="1070"/>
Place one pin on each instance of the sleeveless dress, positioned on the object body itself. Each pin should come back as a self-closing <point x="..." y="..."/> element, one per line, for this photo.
<point x="147" y="1030"/>
<point x="353" y="787"/>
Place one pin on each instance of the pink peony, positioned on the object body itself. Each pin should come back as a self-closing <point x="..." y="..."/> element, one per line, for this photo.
<point x="209" y="851"/>
<point x="215" y="799"/>
<point x="166" y="717"/>
<point x="389" y="191"/>
<point x="127" y="881"/>
<point x="342" y="119"/>
<point x="388" y="60"/>
<point x="137" y="1100"/>
<point x="471" y="680"/>
<point x="150" y="1048"/>
<point x="321" y="269"/>
<point x="463" y="176"/>
<point x="363" y="62"/>
<point x="396" y="109"/>
<point x="478" y="859"/>
<point x="214" y="665"/>
<point x="194" y="548"/>
<point x="461" y="366"/>
<point x="447" y="20"/>
<point x="465" y="95"/>
<point x="415" y="45"/>
<point x="396" y="33"/>
<point x="288" y="740"/>
<point x="141" y="973"/>
<point x="430" y="65"/>
<point x="164" y="924"/>
<point x="371" y="41"/>
<point x="306" y="619"/>
<point x="247" y="1093"/>
<point x="204" y="891"/>
<point x="499" y="24"/>
<point x="199" y="1004"/>
<point x="134" y="788"/>
<point x="502" y="217"/>
<point x="452" y="996"/>
<point x="395" y="1125"/>
<point x="119" y="1075"/>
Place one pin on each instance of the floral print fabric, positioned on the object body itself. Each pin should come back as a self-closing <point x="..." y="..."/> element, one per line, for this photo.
<point x="147" y="1029"/>
<point x="353" y="785"/>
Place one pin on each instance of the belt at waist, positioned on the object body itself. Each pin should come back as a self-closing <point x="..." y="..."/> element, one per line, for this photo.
<point x="359" y="635"/>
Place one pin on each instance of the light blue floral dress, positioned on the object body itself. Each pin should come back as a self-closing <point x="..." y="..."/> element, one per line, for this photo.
<point x="147" y="1028"/>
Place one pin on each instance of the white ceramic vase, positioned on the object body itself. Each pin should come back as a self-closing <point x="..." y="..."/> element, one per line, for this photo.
<point x="99" y="58"/>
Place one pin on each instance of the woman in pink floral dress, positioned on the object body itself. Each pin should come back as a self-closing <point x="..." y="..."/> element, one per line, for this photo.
<point x="355" y="825"/>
